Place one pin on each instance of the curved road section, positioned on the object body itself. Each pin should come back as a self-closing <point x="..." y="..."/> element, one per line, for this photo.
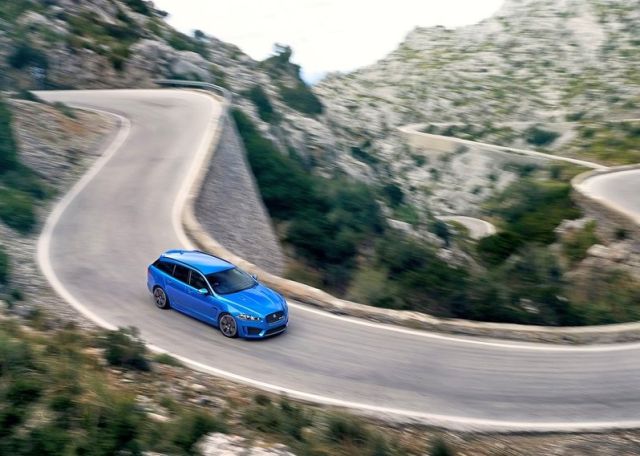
<point x="619" y="190"/>
<point x="101" y="237"/>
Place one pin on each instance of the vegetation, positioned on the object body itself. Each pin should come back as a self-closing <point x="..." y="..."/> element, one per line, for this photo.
<point x="56" y="399"/>
<point x="260" y="99"/>
<point x="181" y="42"/>
<point x="327" y="220"/>
<point x="540" y="137"/>
<point x="124" y="348"/>
<point x="25" y="55"/>
<point x="296" y="94"/>
<point x="615" y="143"/>
<point x="139" y="6"/>
<point x="335" y="434"/>
<point x="575" y="246"/>
<point x="20" y="187"/>
<point x="5" y="268"/>
<point x="531" y="209"/>
<point x="301" y="98"/>
<point x="112" y="40"/>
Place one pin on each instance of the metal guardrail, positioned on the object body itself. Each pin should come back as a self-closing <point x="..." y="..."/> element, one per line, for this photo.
<point x="226" y="94"/>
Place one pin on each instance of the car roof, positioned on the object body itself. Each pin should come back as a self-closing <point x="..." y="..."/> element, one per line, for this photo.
<point x="203" y="262"/>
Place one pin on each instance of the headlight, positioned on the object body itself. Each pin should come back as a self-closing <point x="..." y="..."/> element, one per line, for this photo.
<point x="248" y="317"/>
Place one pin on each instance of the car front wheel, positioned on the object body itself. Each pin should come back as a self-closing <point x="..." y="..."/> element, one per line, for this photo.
<point x="160" y="298"/>
<point x="228" y="326"/>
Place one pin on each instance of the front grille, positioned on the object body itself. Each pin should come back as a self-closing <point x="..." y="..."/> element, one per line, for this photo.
<point x="275" y="330"/>
<point x="274" y="317"/>
<point x="253" y="331"/>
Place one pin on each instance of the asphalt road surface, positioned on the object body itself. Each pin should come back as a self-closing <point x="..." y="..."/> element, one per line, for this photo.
<point x="620" y="190"/>
<point x="102" y="238"/>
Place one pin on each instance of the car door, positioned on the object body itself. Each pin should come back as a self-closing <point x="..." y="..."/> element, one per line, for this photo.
<point x="177" y="288"/>
<point x="203" y="305"/>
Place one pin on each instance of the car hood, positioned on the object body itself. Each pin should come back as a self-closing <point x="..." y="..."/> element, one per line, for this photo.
<point x="258" y="299"/>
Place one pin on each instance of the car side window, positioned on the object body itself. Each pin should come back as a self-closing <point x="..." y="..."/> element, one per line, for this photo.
<point x="164" y="266"/>
<point x="181" y="273"/>
<point x="197" y="281"/>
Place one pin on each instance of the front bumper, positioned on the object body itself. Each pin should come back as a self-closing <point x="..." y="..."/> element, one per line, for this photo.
<point x="261" y="329"/>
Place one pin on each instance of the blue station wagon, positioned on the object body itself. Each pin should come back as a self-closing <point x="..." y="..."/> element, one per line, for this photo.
<point x="215" y="291"/>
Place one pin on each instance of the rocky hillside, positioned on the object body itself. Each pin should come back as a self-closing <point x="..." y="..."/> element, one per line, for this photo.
<point x="533" y="61"/>
<point x="63" y="44"/>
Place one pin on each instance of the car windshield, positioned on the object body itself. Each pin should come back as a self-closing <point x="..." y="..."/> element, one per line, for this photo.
<point x="230" y="281"/>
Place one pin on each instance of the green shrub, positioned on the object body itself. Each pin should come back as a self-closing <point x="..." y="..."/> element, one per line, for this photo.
<point x="165" y="358"/>
<point x="284" y="418"/>
<point x="604" y="296"/>
<point x="17" y="210"/>
<point x="124" y="348"/>
<point x="302" y="99"/>
<point x="393" y="194"/>
<point x="5" y="267"/>
<point x="260" y="99"/>
<point x="25" y="55"/>
<point x="498" y="247"/>
<point x="8" y="146"/>
<point x="28" y="95"/>
<point x="532" y="209"/>
<point x="181" y="42"/>
<point x="139" y="6"/>
<point x="440" y="448"/>
<point x="575" y="246"/>
<point x="540" y="137"/>
<point x="25" y="180"/>
<point x="191" y="427"/>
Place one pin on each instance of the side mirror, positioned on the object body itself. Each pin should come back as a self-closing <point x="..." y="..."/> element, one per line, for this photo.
<point x="203" y="291"/>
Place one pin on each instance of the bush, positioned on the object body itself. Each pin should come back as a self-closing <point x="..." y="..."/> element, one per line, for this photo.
<point x="440" y="448"/>
<point x="17" y="210"/>
<point x="124" y="348"/>
<point x="25" y="55"/>
<point x="5" y="268"/>
<point x="302" y="99"/>
<point x="498" y="247"/>
<point x="532" y="209"/>
<point x="575" y="246"/>
<point x="8" y="146"/>
<point x="540" y="137"/>
<point x="604" y="297"/>
<point x="260" y="99"/>
<point x="165" y="358"/>
<point x="191" y="427"/>
<point x="139" y="6"/>
<point x="284" y="418"/>
<point x="181" y="42"/>
<point x="393" y="194"/>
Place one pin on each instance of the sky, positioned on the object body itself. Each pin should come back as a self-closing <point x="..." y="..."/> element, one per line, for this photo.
<point x="326" y="35"/>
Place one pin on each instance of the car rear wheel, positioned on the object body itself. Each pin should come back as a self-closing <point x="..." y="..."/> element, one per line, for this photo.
<point x="160" y="298"/>
<point x="228" y="326"/>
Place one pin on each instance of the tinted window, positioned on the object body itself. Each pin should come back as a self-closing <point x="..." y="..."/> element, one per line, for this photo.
<point x="164" y="266"/>
<point x="181" y="273"/>
<point x="230" y="281"/>
<point x="197" y="281"/>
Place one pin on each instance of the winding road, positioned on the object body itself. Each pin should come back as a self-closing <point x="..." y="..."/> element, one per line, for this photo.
<point x="123" y="213"/>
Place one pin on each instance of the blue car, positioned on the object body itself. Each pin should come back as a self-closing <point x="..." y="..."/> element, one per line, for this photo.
<point x="215" y="291"/>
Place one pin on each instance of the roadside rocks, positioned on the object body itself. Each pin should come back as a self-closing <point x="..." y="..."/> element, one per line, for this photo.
<point x="234" y="445"/>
